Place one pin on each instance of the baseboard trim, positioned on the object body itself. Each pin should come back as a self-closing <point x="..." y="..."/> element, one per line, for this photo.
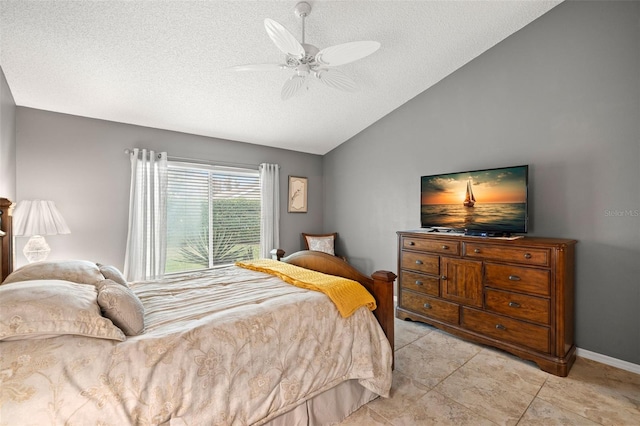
<point x="604" y="359"/>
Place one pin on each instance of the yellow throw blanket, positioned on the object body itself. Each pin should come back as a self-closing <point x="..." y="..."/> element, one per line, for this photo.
<point x="346" y="294"/>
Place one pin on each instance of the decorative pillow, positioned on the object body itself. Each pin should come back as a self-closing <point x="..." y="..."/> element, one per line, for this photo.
<point x="120" y="304"/>
<point x="112" y="273"/>
<point x="39" y="309"/>
<point x="77" y="271"/>
<point x="324" y="244"/>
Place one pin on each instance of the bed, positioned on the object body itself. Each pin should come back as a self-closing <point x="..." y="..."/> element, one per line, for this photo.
<point x="230" y="346"/>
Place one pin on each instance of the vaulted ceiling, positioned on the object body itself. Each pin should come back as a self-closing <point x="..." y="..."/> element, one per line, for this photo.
<point x="164" y="64"/>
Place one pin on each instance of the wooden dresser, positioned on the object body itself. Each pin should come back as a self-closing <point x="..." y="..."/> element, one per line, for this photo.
<point x="516" y="295"/>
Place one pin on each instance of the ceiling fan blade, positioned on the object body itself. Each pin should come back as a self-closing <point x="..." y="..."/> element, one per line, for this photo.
<point x="257" y="67"/>
<point x="283" y="38"/>
<point x="291" y="86"/>
<point x="345" y="53"/>
<point x="337" y="80"/>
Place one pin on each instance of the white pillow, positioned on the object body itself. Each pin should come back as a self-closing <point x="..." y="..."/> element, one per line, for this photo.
<point x="77" y="271"/>
<point x="120" y="304"/>
<point x="39" y="309"/>
<point x="112" y="273"/>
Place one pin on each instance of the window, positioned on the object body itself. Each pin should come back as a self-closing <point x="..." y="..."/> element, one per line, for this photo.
<point x="213" y="216"/>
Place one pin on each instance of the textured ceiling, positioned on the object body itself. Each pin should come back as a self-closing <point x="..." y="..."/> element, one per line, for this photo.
<point x="163" y="64"/>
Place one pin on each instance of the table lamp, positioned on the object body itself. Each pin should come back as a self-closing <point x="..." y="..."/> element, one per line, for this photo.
<point x="35" y="219"/>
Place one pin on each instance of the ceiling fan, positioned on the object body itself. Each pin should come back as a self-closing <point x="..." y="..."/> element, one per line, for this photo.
<point x="307" y="60"/>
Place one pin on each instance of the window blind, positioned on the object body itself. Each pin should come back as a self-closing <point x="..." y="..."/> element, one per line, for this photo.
<point x="213" y="216"/>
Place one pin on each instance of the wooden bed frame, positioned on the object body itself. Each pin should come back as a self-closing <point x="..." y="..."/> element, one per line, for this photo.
<point x="380" y="284"/>
<point x="6" y="239"/>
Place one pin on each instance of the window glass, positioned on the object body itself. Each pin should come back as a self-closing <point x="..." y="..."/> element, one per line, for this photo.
<point x="213" y="216"/>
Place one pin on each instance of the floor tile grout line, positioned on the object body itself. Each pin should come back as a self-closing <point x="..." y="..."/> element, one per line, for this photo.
<point x="457" y="402"/>
<point x="558" y="406"/>
<point x="532" y="400"/>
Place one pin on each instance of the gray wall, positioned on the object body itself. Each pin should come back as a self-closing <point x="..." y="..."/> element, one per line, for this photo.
<point x="7" y="140"/>
<point x="80" y="164"/>
<point x="562" y="95"/>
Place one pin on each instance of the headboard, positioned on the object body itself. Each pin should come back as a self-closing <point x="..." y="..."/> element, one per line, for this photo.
<point x="6" y="239"/>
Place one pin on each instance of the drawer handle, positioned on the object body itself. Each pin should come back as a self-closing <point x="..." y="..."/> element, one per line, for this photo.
<point x="411" y="243"/>
<point x="527" y="256"/>
<point x="427" y="306"/>
<point x="444" y="278"/>
<point x="476" y="251"/>
<point x="445" y="247"/>
<point x="514" y="304"/>
<point x="418" y="262"/>
<point x="418" y="282"/>
<point x="514" y="278"/>
<point x="500" y="327"/>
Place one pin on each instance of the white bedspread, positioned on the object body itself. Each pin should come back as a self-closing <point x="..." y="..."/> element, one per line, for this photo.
<point x="227" y="347"/>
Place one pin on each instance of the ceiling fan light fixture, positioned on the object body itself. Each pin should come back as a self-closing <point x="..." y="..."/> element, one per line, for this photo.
<point x="306" y="59"/>
<point x="303" y="70"/>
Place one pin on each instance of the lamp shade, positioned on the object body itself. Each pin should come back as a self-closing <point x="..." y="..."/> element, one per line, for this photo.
<point x="38" y="217"/>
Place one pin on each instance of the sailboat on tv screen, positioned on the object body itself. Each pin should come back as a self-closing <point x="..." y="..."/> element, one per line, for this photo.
<point x="469" y="199"/>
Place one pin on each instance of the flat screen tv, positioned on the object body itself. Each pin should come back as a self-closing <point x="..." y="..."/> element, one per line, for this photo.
<point x="491" y="202"/>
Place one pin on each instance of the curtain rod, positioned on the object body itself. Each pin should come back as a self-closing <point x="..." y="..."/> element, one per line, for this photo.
<point x="208" y="162"/>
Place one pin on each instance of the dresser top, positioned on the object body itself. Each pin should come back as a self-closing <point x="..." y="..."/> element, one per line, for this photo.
<point x="517" y="241"/>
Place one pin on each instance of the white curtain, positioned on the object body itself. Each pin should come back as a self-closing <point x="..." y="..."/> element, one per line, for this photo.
<point x="147" y="238"/>
<point x="269" y="208"/>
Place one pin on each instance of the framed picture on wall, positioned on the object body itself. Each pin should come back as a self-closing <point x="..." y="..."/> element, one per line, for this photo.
<point x="297" y="194"/>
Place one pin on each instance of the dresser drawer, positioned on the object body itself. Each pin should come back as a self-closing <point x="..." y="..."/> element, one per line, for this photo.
<point x="525" y="256"/>
<point x="512" y="278"/>
<point x="435" y="246"/>
<point x="529" y="308"/>
<point x="506" y="329"/>
<point x="430" y="307"/>
<point x="420" y="282"/>
<point x="420" y="262"/>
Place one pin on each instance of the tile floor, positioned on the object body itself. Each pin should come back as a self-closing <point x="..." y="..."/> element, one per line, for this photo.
<point x="442" y="380"/>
